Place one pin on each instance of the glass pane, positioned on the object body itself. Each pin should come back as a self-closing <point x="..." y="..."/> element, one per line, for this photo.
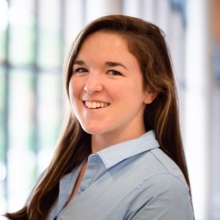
<point x="3" y="26"/>
<point x="22" y="34"/>
<point x="20" y="170"/>
<point x="2" y="142"/>
<point x="49" y="115"/>
<point x="2" y="112"/>
<point x="50" y="50"/>
<point x="74" y="11"/>
<point x="131" y="7"/>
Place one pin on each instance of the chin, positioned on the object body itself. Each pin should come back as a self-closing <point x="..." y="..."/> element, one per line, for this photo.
<point x="92" y="130"/>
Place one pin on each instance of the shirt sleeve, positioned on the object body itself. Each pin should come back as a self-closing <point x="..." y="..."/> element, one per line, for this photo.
<point x="161" y="197"/>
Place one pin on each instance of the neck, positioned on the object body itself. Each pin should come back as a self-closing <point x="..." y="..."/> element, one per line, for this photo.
<point x="102" y="141"/>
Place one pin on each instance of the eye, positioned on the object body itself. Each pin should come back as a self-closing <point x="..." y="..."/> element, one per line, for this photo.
<point x="114" y="73"/>
<point x="80" y="70"/>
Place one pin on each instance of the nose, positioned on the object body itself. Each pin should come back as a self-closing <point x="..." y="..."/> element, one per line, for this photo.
<point x="93" y="83"/>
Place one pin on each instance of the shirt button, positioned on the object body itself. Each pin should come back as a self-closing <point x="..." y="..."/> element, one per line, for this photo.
<point x="82" y="188"/>
<point x="94" y="158"/>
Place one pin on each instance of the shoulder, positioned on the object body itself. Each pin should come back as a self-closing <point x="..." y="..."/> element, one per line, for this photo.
<point x="165" y="177"/>
<point x="165" y="165"/>
<point x="163" y="194"/>
<point x="164" y="185"/>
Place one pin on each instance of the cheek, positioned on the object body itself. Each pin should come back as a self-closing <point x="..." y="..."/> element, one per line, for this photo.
<point x="131" y="90"/>
<point x="71" y="92"/>
<point x="74" y="89"/>
<point x="118" y="92"/>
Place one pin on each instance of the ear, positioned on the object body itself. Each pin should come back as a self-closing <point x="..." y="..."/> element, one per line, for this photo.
<point x="150" y="95"/>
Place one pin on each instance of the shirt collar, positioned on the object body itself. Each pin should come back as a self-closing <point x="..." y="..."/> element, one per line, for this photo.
<point x="118" y="152"/>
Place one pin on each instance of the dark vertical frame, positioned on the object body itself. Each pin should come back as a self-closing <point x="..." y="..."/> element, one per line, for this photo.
<point x="62" y="45"/>
<point x="62" y="29"/>
<point x="180" y="5"/>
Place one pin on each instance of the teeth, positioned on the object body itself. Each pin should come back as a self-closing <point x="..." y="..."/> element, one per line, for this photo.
<point x="93" y="105"/>
<point x="96" y="104"/>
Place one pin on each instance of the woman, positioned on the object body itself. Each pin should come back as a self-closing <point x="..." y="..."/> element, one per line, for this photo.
<point x="120" y="154"/>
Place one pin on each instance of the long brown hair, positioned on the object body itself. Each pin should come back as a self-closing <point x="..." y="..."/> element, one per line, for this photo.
<point x="146" y="42"/>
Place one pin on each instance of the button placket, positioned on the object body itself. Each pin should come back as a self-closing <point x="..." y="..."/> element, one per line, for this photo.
<point x="92" y="168"/>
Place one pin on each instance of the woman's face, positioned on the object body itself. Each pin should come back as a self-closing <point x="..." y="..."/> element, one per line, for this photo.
<point x="106" y="87"/>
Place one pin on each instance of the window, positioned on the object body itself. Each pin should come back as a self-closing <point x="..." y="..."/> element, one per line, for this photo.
<point x="34" y="38"/>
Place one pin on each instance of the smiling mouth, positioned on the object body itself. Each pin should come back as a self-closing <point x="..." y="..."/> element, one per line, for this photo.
<point x="95" y="105"/>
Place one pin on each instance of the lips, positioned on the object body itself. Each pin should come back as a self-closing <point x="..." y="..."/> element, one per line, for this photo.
<point x="95" y="104"/>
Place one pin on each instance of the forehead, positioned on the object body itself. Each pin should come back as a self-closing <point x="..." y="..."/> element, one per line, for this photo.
<point x="104" y="44"/>
<point x="106" y="33"/>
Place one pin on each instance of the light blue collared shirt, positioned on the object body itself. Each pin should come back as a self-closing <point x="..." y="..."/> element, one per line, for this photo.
<point x="130" y="180"/>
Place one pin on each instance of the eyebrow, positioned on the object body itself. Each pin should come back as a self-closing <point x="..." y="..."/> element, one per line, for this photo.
<point x="79" y="62"/>
<point x="109" y="63"/>
<point x="112" y="64"/>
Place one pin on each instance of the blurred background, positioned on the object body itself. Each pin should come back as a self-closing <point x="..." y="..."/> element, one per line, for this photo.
<point x="35" y="36"/>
